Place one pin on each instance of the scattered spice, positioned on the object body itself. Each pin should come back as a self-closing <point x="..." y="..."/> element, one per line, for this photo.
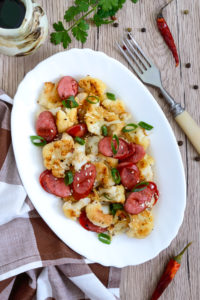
<point x="123" y="47"/>
<point x="128" y="36"/>
<point x="143" y="29"/>
<point x="129" y="29"/>
<point x="169" y="273"/>
<point x="195" y="87"/>
<point x="188" y="65"/>
<point x="186" y="12"/>
<point x="115" y="24"/>
<point x="180" y="143"/>
<point x="197" y="158"/>
<point x="113" y="18"/>
<point x="166" y="34"/>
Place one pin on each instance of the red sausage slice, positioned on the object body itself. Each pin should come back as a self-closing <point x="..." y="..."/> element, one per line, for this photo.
<point x="83" y="181"/>
<point x="67" y="86"/>
<point x="46" y="126"/>
<point x="53" y="185"/>
<point x="88" y="225"/>
<point x="130" y="176"/>
<point x="77" y="130"/>
<point x="137" y="201"/>
<point x="124" y="165"/>
<point x="106" y="149"/>
<point x="137" y="156"/>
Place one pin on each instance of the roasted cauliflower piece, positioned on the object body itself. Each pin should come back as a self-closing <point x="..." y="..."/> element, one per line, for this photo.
<point x="141" y="225"/>
<point x="145" y="166"/>
<point x="103" y="175"/>
<point x="115" y="193"/>
<point x="92" y="86"/>
<point x="91" y="145"/>
<point x="58" y="155"/>
<point x="65" y="119"/>
<point x="81" y="97"/>
<point x="94" y="119"/>
<point x="49" y="97"/>
<point x="116" y="106"/>
<point x="73" y="210"/>
<point x="138" y="136"/>
<point x="95" y="214"/>
<point x="116" y="128"/>
<point x="79" y="158"/>
<point x="110" y="161"/>
<point x="120" y="223"/>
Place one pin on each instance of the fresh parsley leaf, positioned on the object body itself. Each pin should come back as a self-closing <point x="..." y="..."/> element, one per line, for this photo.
<point x="83" y="5"/>
<point x="61" y="37"/>
<point x="80" y="31"/>
<point x="134" y="1"/>
<point x="58" y="26"/>
<point x="71" y="13"/>
<point x="98" y="20"/>
<point x="108" y="4"/>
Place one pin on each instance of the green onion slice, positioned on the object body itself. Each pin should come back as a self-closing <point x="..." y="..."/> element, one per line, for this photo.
<point x="104" y="238"/>
<point x="95" y="101"/>
<point x="104" y="130"/>
<point x="107" y="196"/>
<point x="70" y="102"/>
<point x="114" y="207"/>
<point x="38" y="140"/>
<point x="68" y="178"/>
<point x="115" y="175"/>
<point x="111" y="96"/>
<point x="129" y="127"/>
<point x="140" y="186"/>
<point x="145" y="125"/>
<point x="79" y="140"/>
<point x="112" y="144"/>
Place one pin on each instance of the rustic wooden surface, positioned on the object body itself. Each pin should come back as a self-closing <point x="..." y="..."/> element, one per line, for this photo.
<point x="138" y="282"/>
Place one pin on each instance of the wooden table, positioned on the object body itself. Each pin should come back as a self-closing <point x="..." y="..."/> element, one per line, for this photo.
<point x="138" y="282"/>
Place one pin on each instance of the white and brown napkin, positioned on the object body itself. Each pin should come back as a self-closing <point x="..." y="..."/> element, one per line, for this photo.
<point x="34" y="262"/>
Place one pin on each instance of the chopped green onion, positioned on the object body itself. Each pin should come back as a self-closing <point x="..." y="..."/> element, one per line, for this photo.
<point x="111" y="96"/>
<point x="129" y="127"/>
<point x="79" y="140"/>
<point x="114" y="207"/>
<point x="115" y="175"/>
<point x="68" y="178"/>
<point x="145" y="125"/>
<point x="107" y="196"/>
<point x="112" y="145"/>
<point x="70" y="102"/>
<point x="140" y="186"/>
<point x="104" y="130"/>
<point x="104" y="238"/>
<point x="38" y="140"/>
<point x="96" y="99"/>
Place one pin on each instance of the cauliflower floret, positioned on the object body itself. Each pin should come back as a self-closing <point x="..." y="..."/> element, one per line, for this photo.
<point x="66" y="119"/>
<point x="141" y="225"/>
<point x="110" y="161"/>
<point x="116" y="106"/>
<point x="115" y="128"/>
<point x="95" y="214"/>
<point x="125" y="116"/>
<point x="115" y="193"/>
<point x="81" y="97"/>
<point x="58" y="155"/>
<point x="91" y="145"/>
<point x="79" y="158"/>
<point x="73" y="210"/>
<point x="94" y="119"/>
<point x="120" y="223"/>
<point x="92" y="85"/>
<point x="145" y="167"/>
<point x="49" y="97"/>
<point x="138" y="136"/>
<point x="103" y="175"/>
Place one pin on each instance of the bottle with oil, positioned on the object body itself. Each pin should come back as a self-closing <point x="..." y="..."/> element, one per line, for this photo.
<point x="23" y="27"/>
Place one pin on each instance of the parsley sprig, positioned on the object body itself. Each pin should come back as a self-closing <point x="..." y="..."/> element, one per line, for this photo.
<point x="102" y="11"/>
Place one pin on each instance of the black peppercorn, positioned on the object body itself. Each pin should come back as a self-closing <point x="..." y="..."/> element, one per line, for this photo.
<point x="180" y="143"/>
<point x="195" y="87"/>
<point x="115" y="24"/>
<point x="197" y="158"/>
<point x="143" y="29"/>
<point x="188" y="65"/>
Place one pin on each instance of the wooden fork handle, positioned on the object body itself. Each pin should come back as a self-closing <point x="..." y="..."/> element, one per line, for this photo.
<point x="190" y="128"/>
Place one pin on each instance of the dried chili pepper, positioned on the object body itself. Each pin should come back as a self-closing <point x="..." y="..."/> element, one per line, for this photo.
<point x="166" y="34"/>
<point x="169" y="273"/>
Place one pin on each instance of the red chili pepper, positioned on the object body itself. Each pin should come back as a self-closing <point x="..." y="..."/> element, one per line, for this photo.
<point x="169" y="273"/>
<point x="167" y="35"/>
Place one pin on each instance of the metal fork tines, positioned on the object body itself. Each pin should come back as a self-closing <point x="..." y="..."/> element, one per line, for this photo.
<point x="145" y="69"/>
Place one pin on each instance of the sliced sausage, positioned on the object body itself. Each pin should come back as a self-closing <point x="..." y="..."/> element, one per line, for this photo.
<point x="88" y="225"/>
<point x="83" y="181"/>
<point x="67" y="86"/>
<point x="137" y="155"/>
<point x="130" y="176"/>
<point x="77" y="130"/>
<point x="125" y="164"/>
<point x="138" y="201"/>
<point x="53" y="185"/>
<point x="106" y="149"/>
<point x="46" y="126"/>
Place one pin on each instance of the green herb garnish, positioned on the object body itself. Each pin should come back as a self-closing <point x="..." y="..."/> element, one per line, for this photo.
<point x="140" y="186"/>
<point x="111" y="96"/>
<point x="107" y="196"/>
<point x="114" y="150"/>
<point x="129" y="127"/>
<point x="114" y="207"/>
<point x="38" y="140"/>
<point x="145" y="125"/>
<point x="104" y="238"/>
<point x="79" y="140"/>
<point x="104" y="130"/>
<point x="95" y="101"/>
<point x="68" y="178"/>
<point x="70" y="102"/>
<point x="115" y="175"/>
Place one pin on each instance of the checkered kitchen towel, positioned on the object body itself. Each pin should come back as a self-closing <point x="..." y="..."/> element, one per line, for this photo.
<point x="34" y="262"/>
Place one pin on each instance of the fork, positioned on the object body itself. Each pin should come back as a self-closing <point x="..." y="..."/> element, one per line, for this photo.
<point x="150" y="74"/>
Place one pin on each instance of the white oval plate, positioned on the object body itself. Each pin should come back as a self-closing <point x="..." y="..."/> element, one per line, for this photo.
<point x="169" y="171"/>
